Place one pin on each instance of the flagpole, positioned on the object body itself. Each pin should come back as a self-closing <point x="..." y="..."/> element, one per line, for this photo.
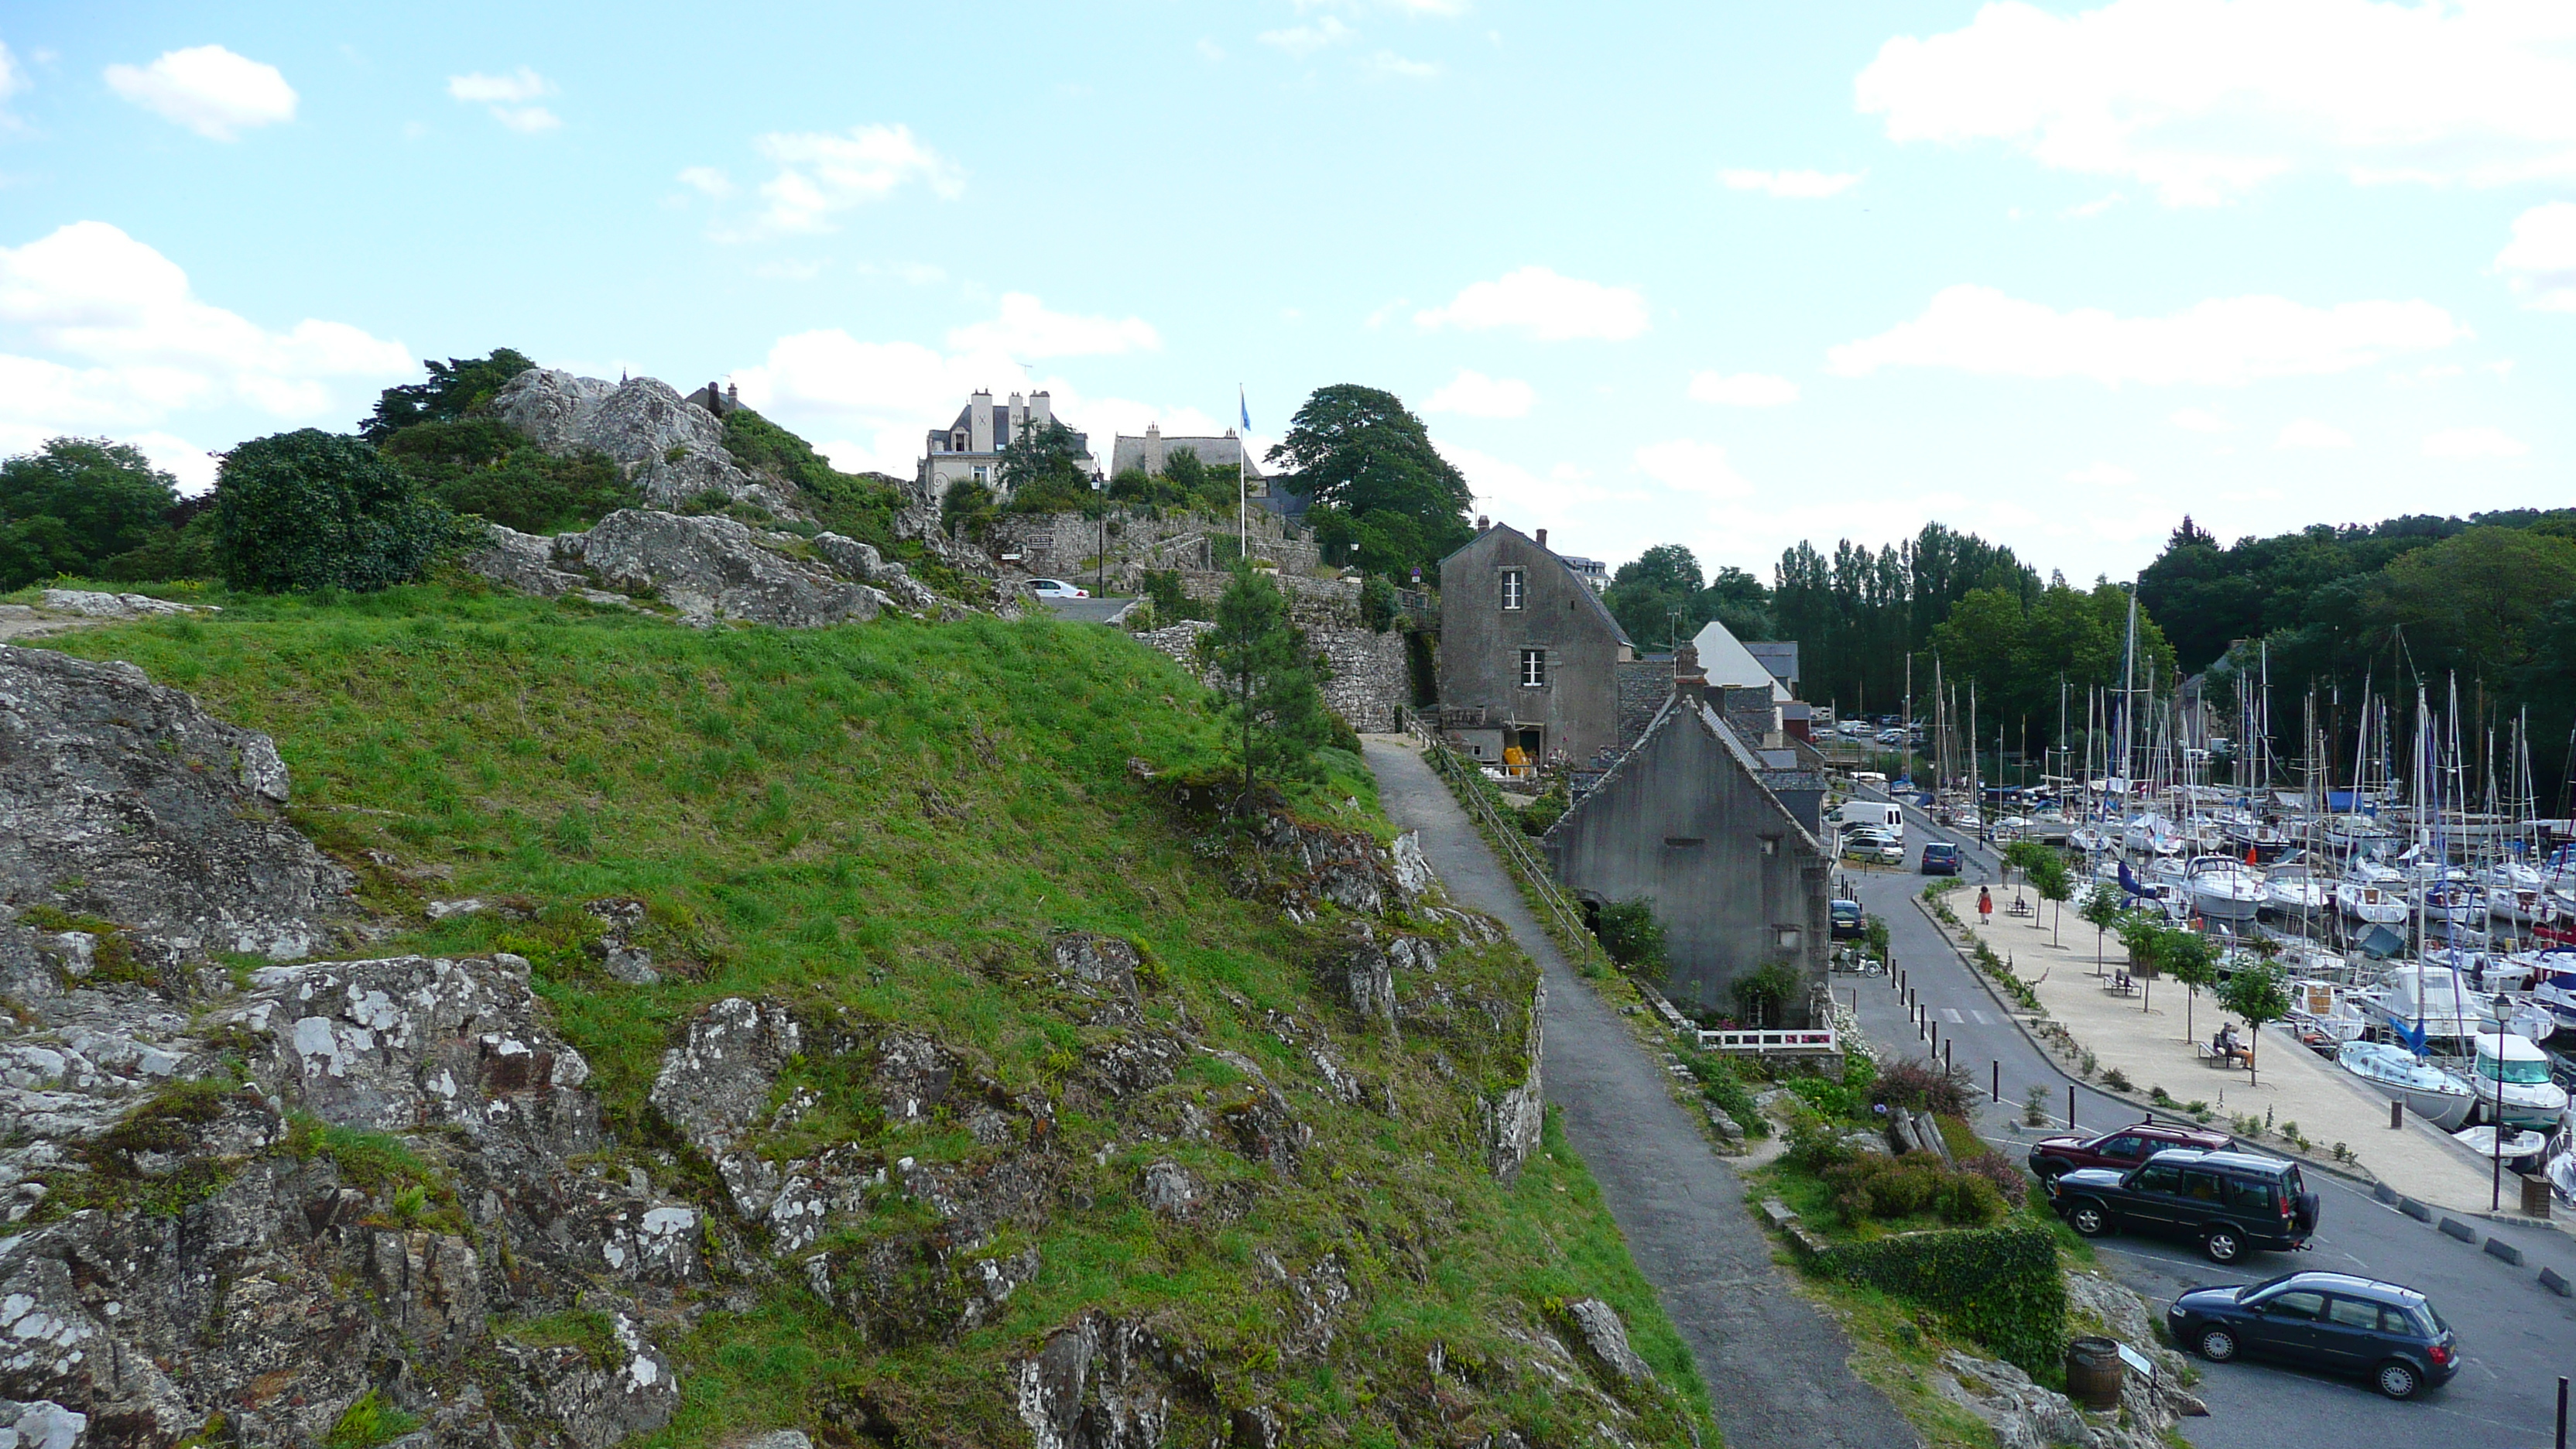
<point x="1242" y="488"/>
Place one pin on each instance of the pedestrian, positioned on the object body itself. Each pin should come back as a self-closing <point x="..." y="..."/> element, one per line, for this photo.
<point x="1985" y="906"/>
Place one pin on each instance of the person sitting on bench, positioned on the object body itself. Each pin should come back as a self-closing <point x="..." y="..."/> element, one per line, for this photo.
<point x="2227" y="1048"/>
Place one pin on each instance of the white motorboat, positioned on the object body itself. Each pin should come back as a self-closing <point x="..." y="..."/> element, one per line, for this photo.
<point x="2153" y="834"/>
<point x="2294" y="890"/>
<point x="2562" y="1176"/>
<point x="2428" y="1092"/>
<point x="2520" y="1150"/>
<point x="2431" y="1008"/>
<point x="2459" y="904"/>
<point x="2320" y="1011"/>
<point x="2223" y="888"/>
<point x="2370" y="904"/>
<point x="2088" y="840"/>
<point x="2511" y="1079"/>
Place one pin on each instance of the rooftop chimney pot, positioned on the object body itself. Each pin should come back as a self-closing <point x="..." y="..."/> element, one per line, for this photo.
<point x="1542" y="538"/>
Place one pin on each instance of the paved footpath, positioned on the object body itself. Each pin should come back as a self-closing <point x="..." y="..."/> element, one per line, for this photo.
<point x="1776" y="1367"/>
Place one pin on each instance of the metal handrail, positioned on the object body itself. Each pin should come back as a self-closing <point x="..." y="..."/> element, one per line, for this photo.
<point x="1531" y="869"/>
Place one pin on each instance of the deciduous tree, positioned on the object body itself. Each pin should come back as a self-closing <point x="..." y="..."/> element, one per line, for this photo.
<point x="1383" y="497"/>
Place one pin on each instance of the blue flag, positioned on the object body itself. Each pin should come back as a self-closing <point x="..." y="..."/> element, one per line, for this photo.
<point x="1246" y="407"/>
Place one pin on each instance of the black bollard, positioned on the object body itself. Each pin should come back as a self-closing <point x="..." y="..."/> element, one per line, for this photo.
<point x="2396" y="1114"/>
<point x="1997" y="1091"/>
<point x="2070" y="1106"/>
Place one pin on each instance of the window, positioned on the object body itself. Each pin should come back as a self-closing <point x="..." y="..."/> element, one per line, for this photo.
<point x="2302" y="1306"/>
<point x="2128" y="1147"/>
<point x="2160" y="1177"/>
<point x="981" y="473"/>
<point x="2399" y="1321"/>
<point x="1533" y="668"/>
<point x="1515" y="584"/>
<point x="2250" y="1197"/>
<point x="2200" y="1186"/>
<point x="2353" y="1313"/>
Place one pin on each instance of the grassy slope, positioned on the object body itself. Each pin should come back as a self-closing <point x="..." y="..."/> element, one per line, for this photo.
<point x="890" y="820"/>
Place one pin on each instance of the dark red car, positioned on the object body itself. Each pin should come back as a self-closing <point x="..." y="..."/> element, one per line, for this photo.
<point x="2121" y="1148"/>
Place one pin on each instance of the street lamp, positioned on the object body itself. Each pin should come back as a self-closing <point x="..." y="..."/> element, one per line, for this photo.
<point x="1100" y="560"/>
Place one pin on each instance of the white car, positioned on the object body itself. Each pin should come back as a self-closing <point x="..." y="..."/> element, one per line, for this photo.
<point x="1056" y="589"/>
<point x="1873" y="846"/>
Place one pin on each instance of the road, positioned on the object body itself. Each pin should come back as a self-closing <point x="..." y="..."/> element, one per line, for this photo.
<point x="1775" y="1366"/>
<point x="1088" y="611"/>
<point x="2515" y="1338"/>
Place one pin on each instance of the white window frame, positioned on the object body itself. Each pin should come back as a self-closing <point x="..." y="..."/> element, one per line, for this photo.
<point x="982" y="473"/>
<point x="1533" y="669"/>
<point x="1515" y="588"/>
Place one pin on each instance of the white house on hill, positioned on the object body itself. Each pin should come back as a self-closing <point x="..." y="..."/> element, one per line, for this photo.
<point x="970" y="449"/>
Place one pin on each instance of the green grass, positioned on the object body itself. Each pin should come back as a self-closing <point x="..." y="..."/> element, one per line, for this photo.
<point x="888" y="821"/>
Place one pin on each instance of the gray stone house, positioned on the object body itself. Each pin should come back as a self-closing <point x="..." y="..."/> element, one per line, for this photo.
<point x="970" y="449"/>
<point x="1529" y="655"/>
<point x="1689" y="819"/>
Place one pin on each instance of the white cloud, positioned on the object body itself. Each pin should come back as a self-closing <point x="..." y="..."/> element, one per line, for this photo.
<point x="1472" y="394"/>
<point x="1692" y="467"/>
<point x="1305" y="40"/>
<point x="1549" y="307"/>
<point x="507" y="98"/>
<point x="1743" y="389"/>
<point x="2473" y="443"/>
<point x="2226" y="341"/>
<point x="2540" y="260"/>
<point x="2206" y="100"/>
<point x="2091" y="209"/>
<point x="821" y="173"/>
<point x="2309" y="433"/>
<point x="101" y="333"/>
<point x="2199" y="420"/>
<point x="207" y="89"/>
<point x="192" y="467"/>
<point x="2103" y="475"/>
<point x="708" y="180"/>
<point x="1803" y="185"/>
<point x="1025" y="328"/>
<point x="1389" y="64"/>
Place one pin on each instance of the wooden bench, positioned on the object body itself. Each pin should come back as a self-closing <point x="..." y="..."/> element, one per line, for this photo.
<point x="2120" y="985"/>
<point x="2019" y="907"/>
<point x="2211" y="1058"/>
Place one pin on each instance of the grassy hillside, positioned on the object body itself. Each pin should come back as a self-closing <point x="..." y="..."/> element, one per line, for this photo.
<point x="885" y="824"/>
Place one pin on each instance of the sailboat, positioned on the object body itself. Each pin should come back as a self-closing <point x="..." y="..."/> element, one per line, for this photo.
<point x="2428" y="1092"/>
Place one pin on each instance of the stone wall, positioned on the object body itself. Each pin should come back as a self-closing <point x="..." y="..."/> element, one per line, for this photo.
<point x="1368" y="679"/>
<point x="1644" y="685"/>
<point x="1063" y="545"/>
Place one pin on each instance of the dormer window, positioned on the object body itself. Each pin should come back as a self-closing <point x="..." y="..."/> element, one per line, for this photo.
<point x="1515" y="586"/>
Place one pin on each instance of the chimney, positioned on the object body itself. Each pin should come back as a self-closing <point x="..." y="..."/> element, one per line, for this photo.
<point x="1542" y="538"/>
<point x="1688" y="677"/>
<point x="979" y="421"/>
<point x="1483" y="523"/>
<point x="1041" y="409"/>
<point x="1019" y="419"/>
<point x="1750" y="713"/>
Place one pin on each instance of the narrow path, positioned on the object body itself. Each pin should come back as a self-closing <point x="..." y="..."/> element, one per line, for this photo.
<point x="1777" y="1368"/>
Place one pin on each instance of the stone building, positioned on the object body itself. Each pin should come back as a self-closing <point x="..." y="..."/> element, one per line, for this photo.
<point x="1149" y="454"/>
<point x="1689" y="819"/>
<point x="1529" y="655"/>
<point x="970" y="449"/>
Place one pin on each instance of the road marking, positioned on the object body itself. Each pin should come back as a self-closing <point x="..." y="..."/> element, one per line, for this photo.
<point x="1982" y="1018"/>
<point x="1952" y="1014"/>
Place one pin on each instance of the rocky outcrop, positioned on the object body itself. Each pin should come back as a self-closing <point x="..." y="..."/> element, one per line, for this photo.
<point x="117" y="606"/>
<point x="125" y="800"/>
<point x="862" y="562"/>
<point x="1516" y="1120"/>
<point x="672" y="450"/>
<point x="1605" y="1333"/>
<point x="524" y="561"/>
<point x="715" y="568"/>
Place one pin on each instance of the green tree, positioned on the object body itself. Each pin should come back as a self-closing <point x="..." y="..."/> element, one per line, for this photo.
<point x="1042" y="469"/>
<point x="456" y="388"/>
<point x="1631" y="934"/>
<point x="75" y="503"/>
<point x="2055" y="884"/>
<point x="2187" y="957"/>
<point x="1763" y="995"/>
<point x="2102" y="909"/>
<point x="2477" y="598"/>
<point x="1267" y="681"/>
<point x="2257" y="994"/>
<point x="1659" y="598"/>
<point x="313" y="510"/>
<point x="1383" y="496"/>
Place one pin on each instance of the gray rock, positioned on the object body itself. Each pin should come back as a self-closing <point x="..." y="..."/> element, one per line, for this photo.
<point x="1607" y="1337"/>
<point x="1728" y="1129"/>
<point x="862" y="562"/>
<point x="715" y="1087"/>
<point x="1516" y="1121"/>
<point x="524" y="561"/>
<point x="778" y="1439"/>
<point x="1102" y="964"/>
<point x="715" y="568"/>
<point x="1167" y="1187"/>
<point x="2022" y="1414"/>
<point x="124" y="799"/>
<point x="117" y="606"/>
<point x="672" y="449"/>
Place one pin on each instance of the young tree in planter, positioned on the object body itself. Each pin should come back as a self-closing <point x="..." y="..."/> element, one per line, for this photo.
<point x="2102" y="907"/>
<point x="2256" y="994"/>
<point x="2189" y="958"/>
<point x="1267" y="681"/>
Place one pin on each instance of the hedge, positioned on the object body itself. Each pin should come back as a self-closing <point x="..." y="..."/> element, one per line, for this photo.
<point x="2001" y="1286"/>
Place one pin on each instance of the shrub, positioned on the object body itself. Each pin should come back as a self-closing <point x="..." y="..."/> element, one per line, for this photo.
<point x="1920" y="1084"/>
<point x="1377" y="604"/>
<point x="1764" y="995"/>
<point x="369" y="1421"/>
<point x="1719" y="1083"/>
<point x="2000" y="1286"/>
<point x="1630" y="933"/>
<point x="1818" y="1147"/>
<point x="1893" y="1188"/>
<point x="2003" y="1172"/>
<point x="1538" y="815"/>
<point x="2117" y="1080"/>
<point x="313" y="510"/>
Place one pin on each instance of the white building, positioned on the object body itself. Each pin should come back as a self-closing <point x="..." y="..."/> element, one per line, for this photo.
<point x="1727" y="661"/>
<point x="970" y="449"/>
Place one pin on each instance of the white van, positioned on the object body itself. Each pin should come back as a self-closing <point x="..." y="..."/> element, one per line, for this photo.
<point x="1876" y="814"/>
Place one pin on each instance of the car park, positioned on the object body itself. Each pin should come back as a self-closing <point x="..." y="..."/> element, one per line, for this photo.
<point x="2228" y="1202"/>
<point x="2338" y="1323"/>
<point x="1940" y="857"/>
<point x="1849" y="922"/>
<point x="1056" y="589"/>
<point x="2121" y="1148"/>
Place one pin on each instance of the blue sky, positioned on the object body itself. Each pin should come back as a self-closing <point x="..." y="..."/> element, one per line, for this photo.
<point x="1720" y="274"/>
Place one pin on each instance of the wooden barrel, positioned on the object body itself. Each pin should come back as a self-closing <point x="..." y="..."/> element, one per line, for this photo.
<point x="2094" y="1373"/>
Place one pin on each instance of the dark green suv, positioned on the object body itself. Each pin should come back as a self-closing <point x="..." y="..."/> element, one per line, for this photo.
<point x="2227" y="1202"/>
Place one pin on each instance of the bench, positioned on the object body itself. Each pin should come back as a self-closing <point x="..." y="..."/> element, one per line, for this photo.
<point x="2019" y="907"/>
<point x="2120" y="985"/>
<point x="2209" y="1058"/>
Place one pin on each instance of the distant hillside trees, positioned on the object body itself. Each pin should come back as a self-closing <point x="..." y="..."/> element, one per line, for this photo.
<point x="314" y="510"/>
<point x="1858" y="615"/>
<point x="457" y="388"/>
<point x="74" y="505"/>
<point x="2022" y="654"/>
<point x="1384" y="498"/>
<point x="1660" y="599"/>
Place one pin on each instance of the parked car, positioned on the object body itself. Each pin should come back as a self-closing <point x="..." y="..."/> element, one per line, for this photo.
<point x="2385" y="1332"/>
<point x="1941" y="858"/>
<point x="2228" y="1202"/>
<point x="1873" y="847"/>
<point x="1891" y="737"/>
<point x="1849" y="921"/>
<point x="1056" y="589"/>
<point x="2121" y="1148"/>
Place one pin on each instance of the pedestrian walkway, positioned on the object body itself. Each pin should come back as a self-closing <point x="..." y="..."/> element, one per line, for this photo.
<point x="2148" y="1038"/>
<point x="1777" y="1369"/>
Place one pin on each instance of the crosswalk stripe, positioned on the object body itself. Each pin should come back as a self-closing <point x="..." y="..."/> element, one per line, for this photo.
<point x="1982" y="1018"/>
<point x="1952" y="1014"/>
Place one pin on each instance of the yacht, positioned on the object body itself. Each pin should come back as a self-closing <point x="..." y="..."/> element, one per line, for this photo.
<point x="2511" y="1079"/>
<point x="2223" y="888"/>
<point x="2294" y="890"/>
<point x="2430" y="1007"/>
<point x="2370" y="904"/>
<point x="2428" y="1092"/>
